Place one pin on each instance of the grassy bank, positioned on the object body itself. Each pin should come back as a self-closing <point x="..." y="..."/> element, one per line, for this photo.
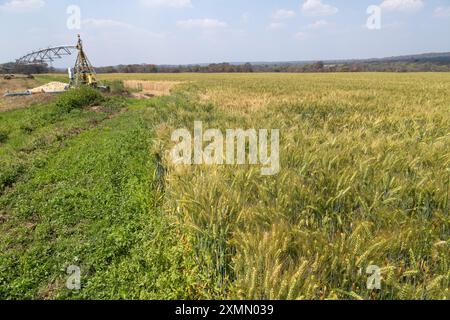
<point x="92" y="201"/>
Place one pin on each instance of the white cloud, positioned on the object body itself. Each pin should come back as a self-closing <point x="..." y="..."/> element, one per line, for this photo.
<point x="202" y="23"/>
<point x="442" y="12"/>
<point x="283" y="14"/>
<point x="118" y="25"/>
<point x="317" y="8"/>
<point x="167" y="3"/>
<point x="320" y="24"/>
<point x="106" y="23"/>
<point x="245" y="18"/>
<point x="301" y="35"/>
<point x="402" y="5"/>
<point x="20" y="6"/>
<point x="276" y="26"/>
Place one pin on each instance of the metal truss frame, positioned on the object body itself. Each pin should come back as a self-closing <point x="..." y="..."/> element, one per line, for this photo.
<point x="45" y="56"/>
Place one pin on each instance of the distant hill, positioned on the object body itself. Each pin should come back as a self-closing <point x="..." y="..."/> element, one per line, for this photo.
<point x="443" y="57"/>
<point x="425" y="57"/>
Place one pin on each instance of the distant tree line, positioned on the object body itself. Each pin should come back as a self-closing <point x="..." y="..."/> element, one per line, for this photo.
<point x="151" y="68"/>
<point x="25" y="69"/>
<point x="400" y="66"/>
<point x="378" y="66"/>
<point x="361" y="67"/>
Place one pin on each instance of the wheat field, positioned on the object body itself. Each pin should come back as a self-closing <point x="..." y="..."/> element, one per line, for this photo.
<point x="364" y="180"/>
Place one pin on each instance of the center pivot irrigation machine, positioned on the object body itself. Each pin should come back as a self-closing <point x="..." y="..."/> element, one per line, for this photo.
<point x="81" y="74"/>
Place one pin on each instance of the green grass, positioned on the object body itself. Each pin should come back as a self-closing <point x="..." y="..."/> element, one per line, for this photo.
<point x="364" y="180"/>
<point x="46" y="78"/>
<point x="94" y="203"/>
<point x="28" y="136"/>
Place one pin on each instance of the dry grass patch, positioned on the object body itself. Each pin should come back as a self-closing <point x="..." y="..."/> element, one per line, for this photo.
<point x="151" y="88"/>
<point x="11" y="103"/>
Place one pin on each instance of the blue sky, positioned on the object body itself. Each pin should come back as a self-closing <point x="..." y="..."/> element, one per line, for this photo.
<point x="203" y="31"/>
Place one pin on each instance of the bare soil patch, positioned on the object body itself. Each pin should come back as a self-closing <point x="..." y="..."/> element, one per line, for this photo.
<point x="20" y="85"/>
